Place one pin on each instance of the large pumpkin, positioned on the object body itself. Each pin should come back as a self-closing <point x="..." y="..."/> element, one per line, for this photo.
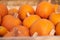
<point x="44" y="9"/>
<point x="42" y="27"/>
<point x="10" y="21"/>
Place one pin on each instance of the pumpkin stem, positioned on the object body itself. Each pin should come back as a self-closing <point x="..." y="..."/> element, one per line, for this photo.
<point x="35" y="34"/>
<point x="16" y="15"/>
<point x="28" y="14"/>
<point x="52" y="32"/>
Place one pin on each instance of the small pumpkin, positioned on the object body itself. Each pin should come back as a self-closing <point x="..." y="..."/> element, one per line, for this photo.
<point x="12" y="11"/>
<point x="3" y="30"/>
<point x="57" y="28"/>
<point x="3" y="10"/>
<point x="24" y="10"/>
<point x="55" y="18"/>
<point x="28" y="21"/>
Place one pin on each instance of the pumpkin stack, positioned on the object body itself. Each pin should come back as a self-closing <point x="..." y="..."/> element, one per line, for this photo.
<point x="25" y="21"/>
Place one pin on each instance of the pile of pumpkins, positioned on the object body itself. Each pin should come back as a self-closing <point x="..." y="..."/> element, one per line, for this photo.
<point x="25" y="21"/>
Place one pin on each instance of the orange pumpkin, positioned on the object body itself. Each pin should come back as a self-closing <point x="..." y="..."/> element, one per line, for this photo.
<point x="24" y="10"/>
<point x="18" y="31"/>
<point x="58" y="28"/>
<point x="44" y="9"/>
<point x="3" y="10"/>
<point x="56" y="7"/>
<point x="3" y="31"/>
<point x="10" y="34"/>
<point x="12" y="11"/>
<point x="10" y="21"/>
<point x="23" y="31"/>
<point x="43" y="27"/>
<point x="55" y="18"/>
<point x="30" y="20"/>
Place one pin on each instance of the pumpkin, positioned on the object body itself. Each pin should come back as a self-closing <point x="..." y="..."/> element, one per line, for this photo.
<point x="10" y="21"/>
<point x="18" y="31"/>
<point x="3" y="30"/>
<point x="22" y="31"/>
<point x="42" y="27"/>
<point x="12" y="11"/>
<point x="3" y="10"/>
<point x="55" y="18"/>
<point x="30" y="20"/>
<point x="57" y="28"/>
<point x="25" y="11"/>
<point x="44" y="9"/>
